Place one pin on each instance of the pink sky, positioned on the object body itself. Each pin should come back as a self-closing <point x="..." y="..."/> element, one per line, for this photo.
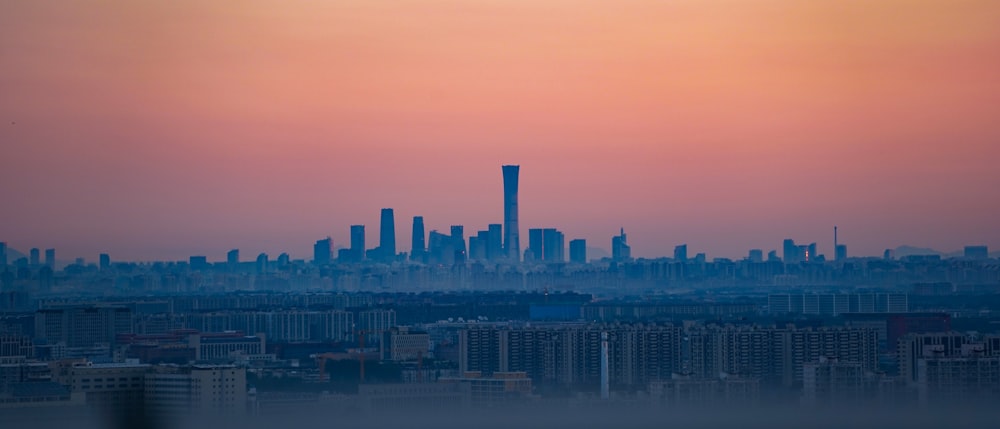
<point x="161" y="129"/>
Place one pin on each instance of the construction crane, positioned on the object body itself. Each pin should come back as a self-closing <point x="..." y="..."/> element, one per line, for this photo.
<point x="361" y="355"/>
<point x="321" y="359"/>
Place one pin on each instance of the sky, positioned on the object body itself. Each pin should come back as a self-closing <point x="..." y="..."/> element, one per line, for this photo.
<point x="163" y="129"/>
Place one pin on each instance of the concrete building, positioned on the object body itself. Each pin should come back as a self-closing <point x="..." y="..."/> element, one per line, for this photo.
<point x="82" y="326"/>
<point x="972" y="378"/>
<point x="16" y="346"/>
<point x="180" y="390"/>
<point x="496" y="390"/>
<point x="229" y="347"/>
<point x="111" y="388"/>
<point x="405" y="344"/>
<point x="832" y="383"/>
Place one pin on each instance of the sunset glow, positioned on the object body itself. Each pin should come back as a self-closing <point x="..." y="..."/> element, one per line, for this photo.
<point x="162" y="129"/>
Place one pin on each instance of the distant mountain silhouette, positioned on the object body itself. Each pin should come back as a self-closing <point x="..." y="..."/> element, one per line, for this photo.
<point x="904" y="251"/>
<point x="594" y="253"/>
<point x="14" y="254"/>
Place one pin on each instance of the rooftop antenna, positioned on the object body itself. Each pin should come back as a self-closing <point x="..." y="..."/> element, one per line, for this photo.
<point x="835" y="244"/>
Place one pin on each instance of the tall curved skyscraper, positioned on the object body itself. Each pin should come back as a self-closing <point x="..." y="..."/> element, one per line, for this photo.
<point x="511" y="238"/>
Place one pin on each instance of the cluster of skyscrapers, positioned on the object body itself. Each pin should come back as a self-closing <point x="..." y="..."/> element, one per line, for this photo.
<point x="497" y="243"/>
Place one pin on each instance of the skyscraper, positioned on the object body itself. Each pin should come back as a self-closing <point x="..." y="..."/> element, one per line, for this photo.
<point x="536" y="246"/>
<point x="262" y="263"/>
<point x="681" y="253"/>
<point x="458" y="240"/>
<point x="417" y="244"/>
<point x="3" y="254"/>
<point x="790" y="251"/>
<point x="387" y="236"/>
<point x="477" y="245"/>
<point x="578" y="251"/>
<point x="105" y="261"/>
<point x="34" y="257"/>
<point x="620" y="250"/>
<point x="323" y="251"/>
<point x="553" y="243"/>
<point x="50" y="258"/>
<point x="511" y="238"/>
<point x="494" y="241"/>
<point x="357" y="243"/>
<point x="233" y="258"/>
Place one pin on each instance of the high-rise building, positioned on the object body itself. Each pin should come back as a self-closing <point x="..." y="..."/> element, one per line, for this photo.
<point x="233" y="258"/>
<point x="553" y="246"/>
<point x="387" y="236"/>
<point x="105" y="262"/>
<point x="262" y="263"/>
<point x="681" y="253"/>
<point x="357" y="243"/>
<point x="323" y="251"/>
<point x="977" y="252"/>
<point x="199" y="263"/>
<point x="536" y="246"/>
<point x="418" y="246"/>
<point x="840" y="253"/>
<point x="458" y="238"/>
<point x="477" y="245"/>
<point x="578" y="251"/>
<point x="828" y="382"/>
<point x="50" y="258"/>
<point x="175" y="390"/>
<point x="34" y="257"/>
<point x="494" y="241"/>
<point x="756" y="255"/>
<point x="620" y="250"/>
<point x="790" y="252"/>
<point x="82" y="326"/>
<point x="511" y="239"/>
<point x="3" y="254"/>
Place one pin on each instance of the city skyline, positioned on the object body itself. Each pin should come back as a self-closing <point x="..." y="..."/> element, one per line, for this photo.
<point x="157" y="131"/>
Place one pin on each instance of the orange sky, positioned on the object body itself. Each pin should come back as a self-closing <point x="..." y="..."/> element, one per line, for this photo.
<point x="160" y="129"/>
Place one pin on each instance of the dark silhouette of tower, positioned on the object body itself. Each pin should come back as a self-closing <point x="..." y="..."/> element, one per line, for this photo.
<point x="578" y="251"/>
<point x="50" y="258"/>
<point x="323" y="251"/>
<point x="387" y="236"/>
<point x="418" y="246"/>
<point x="511" y="238"/>
<point x="494" y="242"/>
<point x="357" y="243"/>
<point x="620" y="250"/>
<point x="681" y="253"/>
